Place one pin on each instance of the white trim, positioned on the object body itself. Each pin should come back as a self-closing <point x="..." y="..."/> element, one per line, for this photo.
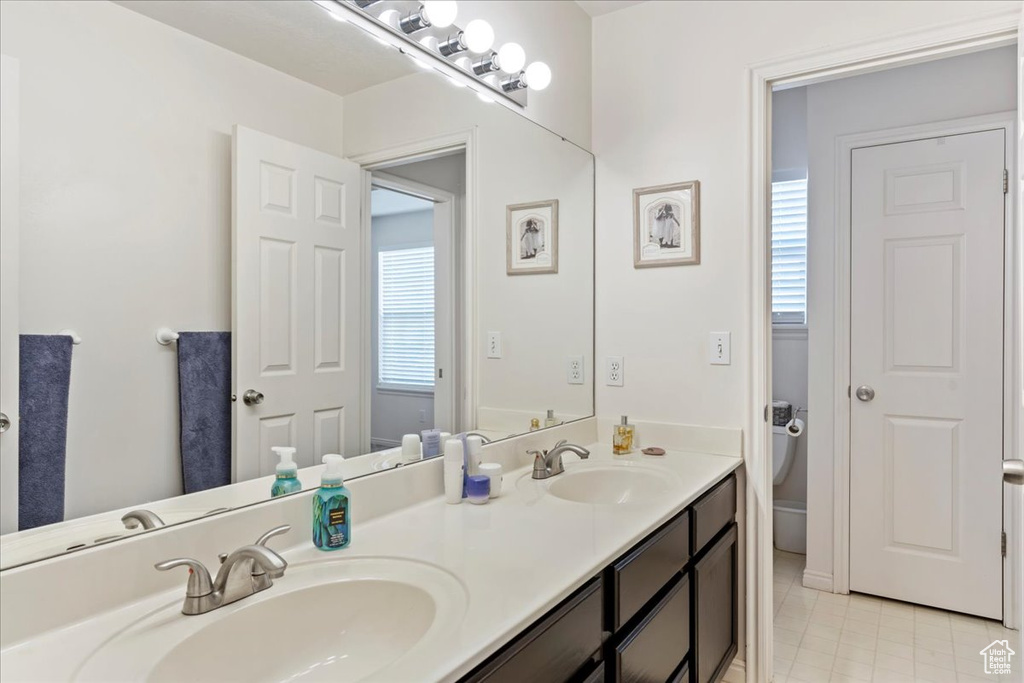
<point x="845" y="144"/>
<point x="421" y="150"/>
<point x="821" y="581"/>
<point x="856" y="58"/>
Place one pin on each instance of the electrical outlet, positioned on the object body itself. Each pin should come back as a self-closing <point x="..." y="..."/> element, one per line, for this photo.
<point x="494" y="344"/>
<point x="614" y="371"/>
<point x="423" y="417"/>
<point x="574" y="370"/>
<point x="720" y="348"/>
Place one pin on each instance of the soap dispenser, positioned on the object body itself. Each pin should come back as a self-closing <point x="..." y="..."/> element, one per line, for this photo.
<point x="287" y="480"/>
<point x="331" y="524"/>
<point x="622" y="437"/>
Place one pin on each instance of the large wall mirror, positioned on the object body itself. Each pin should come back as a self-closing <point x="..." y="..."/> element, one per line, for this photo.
<point x="230" y="226"/>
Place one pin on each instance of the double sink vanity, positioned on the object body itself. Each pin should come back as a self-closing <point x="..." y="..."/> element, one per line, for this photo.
<point x="620" y="568"/>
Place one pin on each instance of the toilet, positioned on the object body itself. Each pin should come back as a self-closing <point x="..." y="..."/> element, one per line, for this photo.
<point x="789" y="516"/>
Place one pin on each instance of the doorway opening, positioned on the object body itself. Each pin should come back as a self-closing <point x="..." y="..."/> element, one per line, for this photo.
<point x="891" y="338"/>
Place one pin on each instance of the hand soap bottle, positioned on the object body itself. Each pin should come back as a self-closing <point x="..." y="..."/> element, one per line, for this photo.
<point x="622" y="437"/>
<point x="287" y="480"/>
<point x="331" y="524"/>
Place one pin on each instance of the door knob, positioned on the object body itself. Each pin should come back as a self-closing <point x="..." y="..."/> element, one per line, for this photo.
<point x="865" y="393"/>
<point x="252" y="397"/>
<point x="5" y="423"/>
<point x="1013" y="472"/>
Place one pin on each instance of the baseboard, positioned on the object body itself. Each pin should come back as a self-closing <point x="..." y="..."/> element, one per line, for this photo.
<point x="817" y="580"/>
<point x="736" y="673"/>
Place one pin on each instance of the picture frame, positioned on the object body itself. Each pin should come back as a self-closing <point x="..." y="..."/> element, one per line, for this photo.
<point x="532" y="238"/>
<point x="666" y="225"/>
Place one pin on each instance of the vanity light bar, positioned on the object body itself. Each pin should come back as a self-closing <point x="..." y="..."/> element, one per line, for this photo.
<point x="426" y="33"/>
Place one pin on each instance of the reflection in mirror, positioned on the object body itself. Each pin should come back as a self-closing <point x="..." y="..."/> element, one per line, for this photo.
<point x="230" y="227"/>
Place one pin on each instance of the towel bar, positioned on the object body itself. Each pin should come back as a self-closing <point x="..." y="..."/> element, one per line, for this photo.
<point x="75" y="339"/>
<point x="166" y="335"/>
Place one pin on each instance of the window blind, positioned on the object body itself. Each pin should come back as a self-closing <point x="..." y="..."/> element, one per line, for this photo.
<point x="406" y="318"/>
<point x="789" y="252"/>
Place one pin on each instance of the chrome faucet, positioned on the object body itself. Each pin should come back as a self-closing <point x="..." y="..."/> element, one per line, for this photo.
<point x="549" y="463"/>
<point x="148" y="520"/>
<point x="249" y="569"/>
<point x="485" y="439"/>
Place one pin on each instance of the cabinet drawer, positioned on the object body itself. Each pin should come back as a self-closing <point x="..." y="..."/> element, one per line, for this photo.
<point x="711" y="514"/>
<point x="556" y="648"/>
<point x="654" y="650"/>
<point x="635" y="578"/>
<point x="714" y="579"/>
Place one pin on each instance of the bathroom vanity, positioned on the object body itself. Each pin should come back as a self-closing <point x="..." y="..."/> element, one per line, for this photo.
<point x="664" y="611"/>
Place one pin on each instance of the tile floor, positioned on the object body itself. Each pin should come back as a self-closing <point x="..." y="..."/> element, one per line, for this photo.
<point x="822" y="637"/>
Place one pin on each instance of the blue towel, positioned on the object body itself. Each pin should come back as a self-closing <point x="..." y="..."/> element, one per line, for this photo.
<point x="204" y="384"/>
<point x="44" y="382"/>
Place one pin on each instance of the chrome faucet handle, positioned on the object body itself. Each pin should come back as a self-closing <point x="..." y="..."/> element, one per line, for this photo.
<point x="199" y="582"/>
<point x="276" y="531"/>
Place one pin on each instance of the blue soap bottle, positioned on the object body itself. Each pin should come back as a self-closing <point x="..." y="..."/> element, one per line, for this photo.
<point x="287" y="480"/>
<point x="331" y="523"/>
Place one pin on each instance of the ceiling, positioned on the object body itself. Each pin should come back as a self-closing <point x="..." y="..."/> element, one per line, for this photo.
<point x="385" y="202"/>
<point x="298" y="38"/>
<point x="596" y="8"/>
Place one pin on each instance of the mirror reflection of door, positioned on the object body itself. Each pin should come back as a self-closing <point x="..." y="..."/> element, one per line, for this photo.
<point x="413" y="254"/>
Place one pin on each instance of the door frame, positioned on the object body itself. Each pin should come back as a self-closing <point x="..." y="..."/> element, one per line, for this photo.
<point x="996" y="29"/>
<point x="438" y="196"/>
<point x="466" y="315"/>
<point x="842" y="402"/>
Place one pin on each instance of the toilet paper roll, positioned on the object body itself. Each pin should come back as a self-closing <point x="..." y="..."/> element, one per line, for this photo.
<point x="795" y="427"/>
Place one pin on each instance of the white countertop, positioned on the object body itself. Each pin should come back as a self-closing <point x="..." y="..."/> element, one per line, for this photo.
<point x="517" y="557"/>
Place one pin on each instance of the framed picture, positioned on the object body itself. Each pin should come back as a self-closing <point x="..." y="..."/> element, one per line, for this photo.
<point x="532" y="238"/>
<point x="666" y="225"/>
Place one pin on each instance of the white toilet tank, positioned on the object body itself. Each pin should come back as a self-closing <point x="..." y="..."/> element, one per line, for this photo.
<point x="783" y="452"/>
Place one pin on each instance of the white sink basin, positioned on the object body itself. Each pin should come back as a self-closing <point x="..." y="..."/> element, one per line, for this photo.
<point x="625" y="483"/>
<point x="345" y="620"/>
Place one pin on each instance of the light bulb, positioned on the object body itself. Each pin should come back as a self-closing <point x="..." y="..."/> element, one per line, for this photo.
<point x="389" y="17"/>
<point x="538" y="76"/>
<point x="511" y="58"/>
<point x="464" y="63"/>
<point x="440" y="13"/>
<point x="479" y="36"/>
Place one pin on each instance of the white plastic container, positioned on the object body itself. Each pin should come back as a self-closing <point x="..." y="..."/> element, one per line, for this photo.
<point x="790" y="518"/>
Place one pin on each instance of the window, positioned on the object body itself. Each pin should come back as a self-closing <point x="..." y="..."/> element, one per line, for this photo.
<point x="406" y="319"/>
<point x="789" y="252"/>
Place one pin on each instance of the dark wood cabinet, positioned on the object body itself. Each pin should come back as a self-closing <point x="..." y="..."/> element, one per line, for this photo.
<point x="664" y="612"/>
<point x="715" y="616"/>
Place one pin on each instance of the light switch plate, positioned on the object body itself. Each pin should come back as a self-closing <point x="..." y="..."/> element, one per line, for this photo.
<point x="720" y="348"/>
<point x="574" y="370"/>
<point x="494" y="344"/>
<point x="615" y="372"/>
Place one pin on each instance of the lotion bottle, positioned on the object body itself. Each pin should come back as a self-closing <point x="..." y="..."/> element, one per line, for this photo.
<point x="622" y="437"/>
<point x="287" y="480"/>
<point x="332" y="529"/>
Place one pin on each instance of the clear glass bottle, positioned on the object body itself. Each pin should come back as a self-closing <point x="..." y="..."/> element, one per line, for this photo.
<point x="622" y="437"/>
<point x="550" y="420"/>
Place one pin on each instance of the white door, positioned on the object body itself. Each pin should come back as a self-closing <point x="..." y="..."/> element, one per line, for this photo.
<point x="296" y="339"/>
<point x="927" y="340"/>
<point x="9" y="369"/>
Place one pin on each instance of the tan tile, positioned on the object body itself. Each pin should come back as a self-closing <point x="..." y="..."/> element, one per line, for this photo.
<point x="974" y="666"/>
<point x="936" y="644"/>
<point x="781" y="667"/>
<point x="899" y="609"/>
<point x="825" y="632"/>
<point x="927" y="672"/>
<point x="818" y="644"/>
<point x="941" y="660"/>
<point x="886" y="676"/>
<point x="818" y="619"/>
<point x="928" y="615"/>
<point x="857" y="640"/>
<point x="784" y="651"/>
<point x="896" y="649"/>
<point x="853" y="669"/>
<point x="897" y="664"/>
<point x="788" y="610"/>
<point x="960" y="623"/>
<point x="857" y="654"/>
<point x="898" y="623"/>
<point x="834" y="598"/>
<point x="822" y="660"/>
<point x="791" y="624"/>
<point x="843" y="678"/>
<point x="863" y="627"/>
<point x="834" y="608"/>
<point x="808" y="673"/>
<point x="896" y="636"/>
<point x="787" y="637"/>
<point x="863" y="615"/>
<point x="866" y="603"/>
<point x="934" y="631"/>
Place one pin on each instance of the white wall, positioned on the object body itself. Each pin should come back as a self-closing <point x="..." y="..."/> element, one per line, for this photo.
<point x="542" y="318"/>
<point x="392" y="413"/>
<point x="126" y="216"/>
<point x="670" y="104"/>
<point x="789" y="345"/>
<point x="970" y="85"/>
